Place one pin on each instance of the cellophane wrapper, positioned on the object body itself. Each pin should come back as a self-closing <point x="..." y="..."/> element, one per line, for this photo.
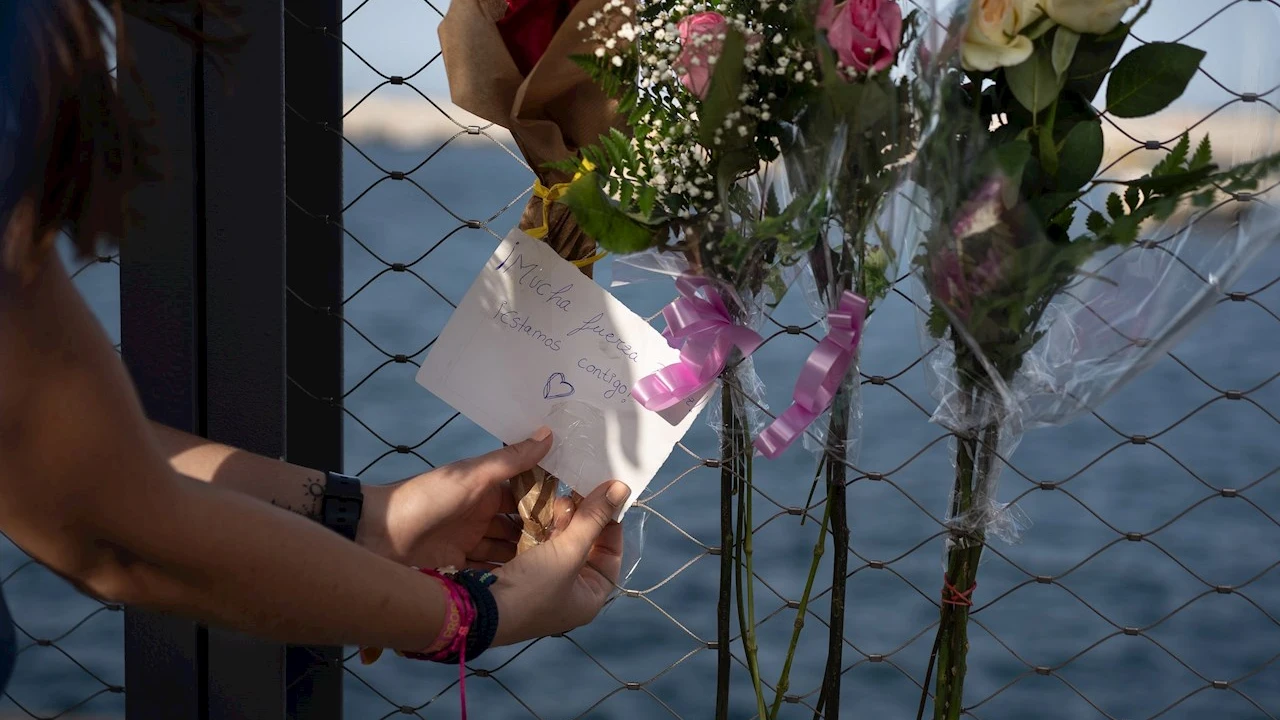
<point x="1126" y="306"/>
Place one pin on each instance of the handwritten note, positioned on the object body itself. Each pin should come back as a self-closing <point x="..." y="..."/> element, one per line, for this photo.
<point x="534" y="342"/>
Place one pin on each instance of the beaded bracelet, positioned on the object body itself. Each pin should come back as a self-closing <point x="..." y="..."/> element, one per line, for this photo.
<point x="471" y="621"/>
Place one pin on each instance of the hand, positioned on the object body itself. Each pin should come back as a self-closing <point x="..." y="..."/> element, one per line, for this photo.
<point x="457" y="515"/>
<point x="562" y="583"/>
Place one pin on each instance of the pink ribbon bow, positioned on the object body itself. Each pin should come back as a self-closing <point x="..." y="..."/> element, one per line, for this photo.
<point x="820" y="378"/>
<point x="699" y="325"/>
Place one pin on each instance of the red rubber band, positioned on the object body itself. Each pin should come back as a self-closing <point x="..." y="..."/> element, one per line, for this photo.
<point x="951" y="595"/>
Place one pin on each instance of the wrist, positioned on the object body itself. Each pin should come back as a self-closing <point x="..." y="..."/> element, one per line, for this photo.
<point x="509" y="617"/>
<point x="371" y="533"/>
<point x="342" y="504"/>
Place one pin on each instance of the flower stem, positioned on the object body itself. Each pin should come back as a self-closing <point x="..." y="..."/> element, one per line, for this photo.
<point x="740" y="462"/>
<point x="836" y="449"/>
<point x="784" y="680"/>
<point x="975" y="458"/>
<point x="724" y="656"/>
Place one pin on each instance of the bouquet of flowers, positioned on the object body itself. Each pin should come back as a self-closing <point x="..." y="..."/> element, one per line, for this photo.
<point x="509" y="64"/>
<point x="1052" y="286"/>
<point x="758" y="137"/>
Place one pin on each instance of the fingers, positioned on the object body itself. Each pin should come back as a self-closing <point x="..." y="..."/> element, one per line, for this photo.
<point x="605" y="556"/>
<point x="507" y="504"/>
<point x="503" y="527"/>
<point x="594" y="514"/>
<point x="562" y="514"/>
<point x="509" y="461"/>
<point x="494" y="551"/>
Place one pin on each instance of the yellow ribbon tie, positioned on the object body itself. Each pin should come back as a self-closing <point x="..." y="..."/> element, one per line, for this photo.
<point x="549" y="195"/>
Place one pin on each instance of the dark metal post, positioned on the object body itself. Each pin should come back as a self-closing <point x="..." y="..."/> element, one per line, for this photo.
<point x="204" y="317"/>
<point x="313" y="72"/>
<point x="243" y="137"/>
<point x="162" y="336"/>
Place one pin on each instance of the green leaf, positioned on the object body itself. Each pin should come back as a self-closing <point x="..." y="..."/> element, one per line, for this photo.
<point x="938" y="322"/>
<point x="1065" y="43"/>
<point x="1174" y="182"/>
<point x="1048" y="205"/>
<point x="1034" y="83"/>
<point x="1011" y="159"/>
<point x="612" y="228"/>
<point x="1115" y="206"/>
<point x="647" y="200"/>
<point x="726" y="86"/>
<point x="1093" y="60"/>
<point x="1174" y="161"/>
<point x="1081" y="155"/>
<point x="1096" y="223"/>
<point x="1150" y="78"/>
<point x="1132" y="198"/>
<point x="1204" y="154"/>
<point x="1125" y="230"/>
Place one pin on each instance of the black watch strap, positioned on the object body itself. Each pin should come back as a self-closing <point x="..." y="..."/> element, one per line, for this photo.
<point x="341" y="505"/>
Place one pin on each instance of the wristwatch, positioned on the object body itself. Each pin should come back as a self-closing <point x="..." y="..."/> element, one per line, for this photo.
<point x="341" y="504"/>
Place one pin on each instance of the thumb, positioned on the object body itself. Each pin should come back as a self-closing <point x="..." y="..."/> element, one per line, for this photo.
<point x="593" y="515"/>
<point x="511" y="460"/>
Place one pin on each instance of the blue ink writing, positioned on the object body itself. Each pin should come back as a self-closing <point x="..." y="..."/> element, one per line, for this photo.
<point x="557" y="387"/>
<point x="613" y="384"/>
<point x="530" y="278"/>
<point x="520" y="323"/>
<point x="594" y="326"/>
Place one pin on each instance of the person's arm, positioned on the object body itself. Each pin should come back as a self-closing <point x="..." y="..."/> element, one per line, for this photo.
<point x="285" y="485"/>
<point x="86" y="489"/>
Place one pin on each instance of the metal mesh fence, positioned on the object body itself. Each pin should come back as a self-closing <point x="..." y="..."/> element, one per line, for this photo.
<point x="1146" y="589"/>
<point x="70" y="647"/>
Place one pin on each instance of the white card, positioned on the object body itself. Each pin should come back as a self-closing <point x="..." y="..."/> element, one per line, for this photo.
<point x="535" y="342"/>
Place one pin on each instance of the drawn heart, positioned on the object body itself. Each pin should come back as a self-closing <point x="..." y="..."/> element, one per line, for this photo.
<point x="556" y="387"/>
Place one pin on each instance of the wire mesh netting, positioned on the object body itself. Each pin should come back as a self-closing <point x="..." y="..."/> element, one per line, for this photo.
<point x="1147" y="587"/>
<point x="70" y="647"/>
<point x="1145" y="590"/>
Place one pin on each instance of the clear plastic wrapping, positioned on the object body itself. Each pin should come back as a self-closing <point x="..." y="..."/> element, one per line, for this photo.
<point x="575" y="427"/>
<point x="1055" y="263"/>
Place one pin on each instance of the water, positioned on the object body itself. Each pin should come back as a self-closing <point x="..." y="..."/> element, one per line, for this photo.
<point x="1191" y="635"/>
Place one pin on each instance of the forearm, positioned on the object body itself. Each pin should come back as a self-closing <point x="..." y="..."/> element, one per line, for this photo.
<point x="221" y="557"/>
<point x="86" y="488"/>
<point x="292" y="487"/>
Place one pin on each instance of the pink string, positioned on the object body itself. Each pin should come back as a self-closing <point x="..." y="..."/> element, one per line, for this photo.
<point x="461" y="599"/>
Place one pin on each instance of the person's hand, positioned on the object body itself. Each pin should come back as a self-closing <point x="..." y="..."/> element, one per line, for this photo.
<point x="562" y="583"/>
<point x="457" y="515"/>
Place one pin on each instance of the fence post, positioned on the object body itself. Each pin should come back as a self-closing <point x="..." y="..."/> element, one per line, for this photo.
<point x="313" y="158"/>
<point x="243" y="180"/>
<point x="203" y="290"/>
<point x="161" y="338"/>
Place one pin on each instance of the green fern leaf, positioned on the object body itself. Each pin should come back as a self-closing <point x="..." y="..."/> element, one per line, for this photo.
<point x="1097" y="223"/>
<point x="1204" y="154"/>
<point x="1115" y="206"/>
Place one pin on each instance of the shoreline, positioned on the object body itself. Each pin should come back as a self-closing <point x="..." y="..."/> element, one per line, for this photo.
<point x="413" y="122"/>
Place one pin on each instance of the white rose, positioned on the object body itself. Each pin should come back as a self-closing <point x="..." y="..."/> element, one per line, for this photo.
<point x="993" y="38"/>
<point x="1095" y="17"/>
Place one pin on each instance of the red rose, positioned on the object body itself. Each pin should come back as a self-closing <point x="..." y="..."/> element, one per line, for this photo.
<point x="528" y="27"/>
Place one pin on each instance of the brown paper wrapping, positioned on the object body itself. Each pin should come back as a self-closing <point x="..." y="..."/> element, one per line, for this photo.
<point x="550" y="113"/>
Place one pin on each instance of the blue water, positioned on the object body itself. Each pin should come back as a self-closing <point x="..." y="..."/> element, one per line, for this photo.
<point x="1166" y="489"/>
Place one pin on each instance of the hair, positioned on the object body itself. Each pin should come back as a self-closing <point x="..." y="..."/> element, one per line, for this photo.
<point x="74" y="150"/>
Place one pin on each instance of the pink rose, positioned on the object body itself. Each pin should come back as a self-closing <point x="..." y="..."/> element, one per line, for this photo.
<point x="701" y="40"/>
<point x="865" y="34"/>
<point x="955" y="286"/>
